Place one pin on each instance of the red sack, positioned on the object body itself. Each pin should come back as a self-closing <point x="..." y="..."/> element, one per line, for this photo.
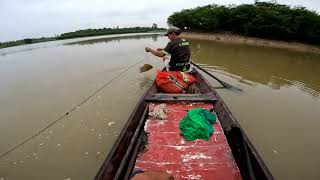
<point x="173" y="81"/>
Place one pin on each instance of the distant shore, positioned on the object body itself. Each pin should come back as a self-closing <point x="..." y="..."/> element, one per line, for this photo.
<point x="237" y="39"/>
<point x="83" y="33"/>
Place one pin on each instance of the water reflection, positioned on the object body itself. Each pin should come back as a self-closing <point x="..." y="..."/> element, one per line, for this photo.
<point x="43" y="84"/>
<point x="105" y="38"/>
<point x="154" y="38"/>
<point x="279" y="106"/>
<point x="145" y="81"/>
<point x="262" y="65"/>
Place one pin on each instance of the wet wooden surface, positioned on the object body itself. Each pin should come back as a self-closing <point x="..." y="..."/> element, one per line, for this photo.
<point x="199" y="159"/>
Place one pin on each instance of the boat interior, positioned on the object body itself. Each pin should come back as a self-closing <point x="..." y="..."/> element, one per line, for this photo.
<point x="136" y="145"/>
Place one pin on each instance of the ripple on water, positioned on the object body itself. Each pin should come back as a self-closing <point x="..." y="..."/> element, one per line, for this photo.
<point x="309" y="89"/>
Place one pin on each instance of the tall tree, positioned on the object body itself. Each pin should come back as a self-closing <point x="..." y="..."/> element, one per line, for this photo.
<point x="154" y="25"/>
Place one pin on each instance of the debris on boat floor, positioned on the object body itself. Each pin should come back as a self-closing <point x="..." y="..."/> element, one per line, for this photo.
<point x="158" y="111"/>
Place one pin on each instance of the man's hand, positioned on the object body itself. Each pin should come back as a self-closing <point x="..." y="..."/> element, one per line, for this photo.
<point x="165" y="58"/>
<point x="159" y="49"/>
<point x="154" y="52"/>
<point x="147" y="49"/>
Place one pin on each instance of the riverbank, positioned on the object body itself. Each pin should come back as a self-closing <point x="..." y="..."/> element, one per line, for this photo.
<point x="237" y="39"/>
<point x="82" y="33"/>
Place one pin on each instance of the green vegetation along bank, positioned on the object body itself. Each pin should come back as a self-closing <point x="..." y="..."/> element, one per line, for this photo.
<point x="252" y="41"/>
<point x="265" y="20"/>
<point x="83" y="33"/>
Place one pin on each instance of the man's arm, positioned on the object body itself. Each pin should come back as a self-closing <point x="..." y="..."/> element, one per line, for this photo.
<point x="155" y="52"/>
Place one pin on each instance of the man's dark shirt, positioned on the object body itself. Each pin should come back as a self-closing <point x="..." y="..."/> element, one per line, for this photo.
<point x="180" y="54"/>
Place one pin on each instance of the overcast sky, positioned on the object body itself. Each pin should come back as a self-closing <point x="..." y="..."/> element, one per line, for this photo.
<point x="35" y="18"/>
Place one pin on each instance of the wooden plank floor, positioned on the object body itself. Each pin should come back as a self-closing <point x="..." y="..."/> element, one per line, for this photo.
<point x="167" y="150"/>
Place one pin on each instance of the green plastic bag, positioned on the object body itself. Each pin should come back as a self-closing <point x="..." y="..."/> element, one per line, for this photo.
<point x="197" y="124"/>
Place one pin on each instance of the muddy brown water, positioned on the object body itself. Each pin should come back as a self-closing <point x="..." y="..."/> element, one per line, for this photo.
<point x="278" y="109"/>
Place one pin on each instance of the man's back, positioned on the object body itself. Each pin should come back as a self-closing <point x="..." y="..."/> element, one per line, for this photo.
<point x="179" y="51"/>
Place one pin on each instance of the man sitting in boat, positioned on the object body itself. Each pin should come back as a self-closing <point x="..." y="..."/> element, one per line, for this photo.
<point x="179" y="50"/>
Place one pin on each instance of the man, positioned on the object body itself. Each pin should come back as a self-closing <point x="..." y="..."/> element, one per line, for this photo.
<point x="179" y="50"/>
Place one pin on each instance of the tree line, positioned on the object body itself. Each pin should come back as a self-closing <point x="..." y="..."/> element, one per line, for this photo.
<point x="262" y="19"/>
<point x="83" y="33"/>
<point x="107" y="31"/>
<point x="26" y="41"/>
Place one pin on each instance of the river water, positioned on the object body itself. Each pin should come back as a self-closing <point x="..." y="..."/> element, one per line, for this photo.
<point x="40" y="83"/>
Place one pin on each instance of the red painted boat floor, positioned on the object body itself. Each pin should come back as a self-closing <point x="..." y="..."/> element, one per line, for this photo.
<point x="167" y="150"/>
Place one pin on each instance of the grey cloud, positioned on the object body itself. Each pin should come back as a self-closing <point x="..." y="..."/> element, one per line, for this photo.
<point x="36" y="18"/>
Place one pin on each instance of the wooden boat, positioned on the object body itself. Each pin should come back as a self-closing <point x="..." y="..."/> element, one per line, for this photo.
<point x="158" y="145"/>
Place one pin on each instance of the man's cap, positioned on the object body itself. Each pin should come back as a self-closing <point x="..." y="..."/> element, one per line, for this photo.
<point x="173" y="30"/>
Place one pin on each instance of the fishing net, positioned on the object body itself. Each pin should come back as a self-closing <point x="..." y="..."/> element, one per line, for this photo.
<point x="197" y="124"/>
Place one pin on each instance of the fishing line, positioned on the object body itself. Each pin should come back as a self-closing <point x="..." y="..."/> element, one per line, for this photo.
<point x="73" y="109"/>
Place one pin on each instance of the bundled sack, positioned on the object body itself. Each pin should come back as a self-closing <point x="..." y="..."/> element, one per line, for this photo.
<point x="173" y="81"/>
<point x="197" y="124"/>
